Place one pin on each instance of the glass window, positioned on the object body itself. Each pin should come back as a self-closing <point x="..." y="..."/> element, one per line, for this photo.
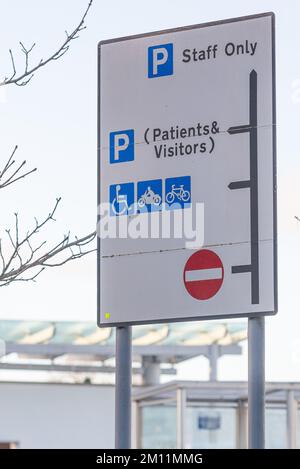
<point x="210" y="427"/>
<point x="159" y="427"/>
<point x="275" y="428"/>
<point x="206" y="427"/>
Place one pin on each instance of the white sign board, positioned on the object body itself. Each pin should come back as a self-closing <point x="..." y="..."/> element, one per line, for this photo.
<point x="187" y="140"/>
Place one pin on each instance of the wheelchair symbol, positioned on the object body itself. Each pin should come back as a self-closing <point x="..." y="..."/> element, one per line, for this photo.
<point x="119" y="203"/>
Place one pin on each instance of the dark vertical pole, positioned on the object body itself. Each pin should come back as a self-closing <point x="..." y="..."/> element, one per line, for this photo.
<point x="123" y="388"/>
<point x="256" y="325"/>
<point x="256" y="382"/>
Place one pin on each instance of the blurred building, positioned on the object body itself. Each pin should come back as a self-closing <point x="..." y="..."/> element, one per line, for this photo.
<point x="56" y="384"/>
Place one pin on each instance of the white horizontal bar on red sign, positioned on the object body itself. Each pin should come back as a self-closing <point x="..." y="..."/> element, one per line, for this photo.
<point x="203" y="274"/>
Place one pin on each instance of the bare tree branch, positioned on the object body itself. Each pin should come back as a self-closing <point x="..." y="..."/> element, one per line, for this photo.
<point x="25" y="262"/>
<point x="8" y="177"/>
<point x="24" y="77"/>
<point x="23" y="257"/>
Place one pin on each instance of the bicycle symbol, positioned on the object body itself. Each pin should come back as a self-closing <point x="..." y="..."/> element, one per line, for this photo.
<point x="148" y="198"/>
<point x="178" y="193"/>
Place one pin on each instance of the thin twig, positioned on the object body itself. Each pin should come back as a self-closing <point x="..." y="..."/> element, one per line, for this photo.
<point x="25" y="259"/>
<point x="7" y="179"/>
<point x="23" y="78"/>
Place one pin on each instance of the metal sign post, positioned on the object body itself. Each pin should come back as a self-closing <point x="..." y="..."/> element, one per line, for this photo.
<point x="123" y="388"/>
<point x="256" y="382"/>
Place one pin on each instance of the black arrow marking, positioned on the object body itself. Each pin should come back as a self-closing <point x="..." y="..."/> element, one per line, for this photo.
<point x="239" y="185"/>
<point x="239" y="129"/>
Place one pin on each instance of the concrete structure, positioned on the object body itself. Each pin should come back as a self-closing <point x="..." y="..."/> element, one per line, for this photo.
<point x="82" y="416"/>
<point x="179" y="414"/>
<point x="81" y="347"/>
<point x="45" y="415"/>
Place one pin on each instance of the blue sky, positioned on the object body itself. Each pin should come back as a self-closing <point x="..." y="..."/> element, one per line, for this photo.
<point x="53" y="120"/>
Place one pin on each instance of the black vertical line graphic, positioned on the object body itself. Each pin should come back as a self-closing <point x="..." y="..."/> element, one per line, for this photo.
<point x="252" y="184"/>
<point x="254" y="188"/>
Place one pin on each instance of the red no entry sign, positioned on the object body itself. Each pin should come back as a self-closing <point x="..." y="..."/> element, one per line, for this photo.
<point x="203" y="274"/>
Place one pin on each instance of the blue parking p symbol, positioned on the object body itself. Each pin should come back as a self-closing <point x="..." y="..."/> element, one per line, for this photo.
<point x="121" y="146"/>
<point x="160" y="60"/>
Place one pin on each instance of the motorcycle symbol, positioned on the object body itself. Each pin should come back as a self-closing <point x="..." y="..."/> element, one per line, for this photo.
<point x="119" y="204"/>
<point x="179" y="193"/>
<point x="149" y="197"/>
